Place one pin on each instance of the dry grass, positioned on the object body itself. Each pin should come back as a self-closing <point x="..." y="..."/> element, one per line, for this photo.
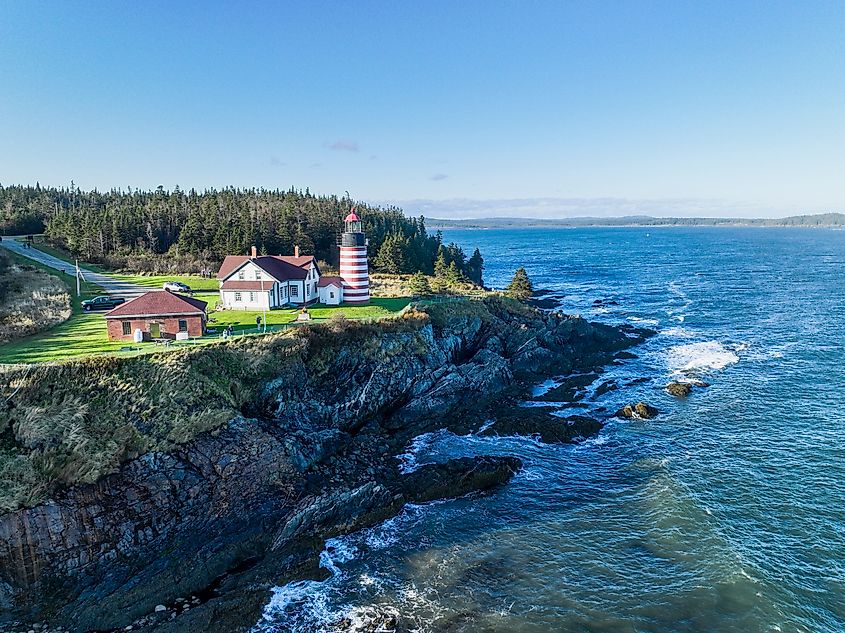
<point x="73" y="422"/>
<point x="385" y="285"/>
<point x="32" y="300"/>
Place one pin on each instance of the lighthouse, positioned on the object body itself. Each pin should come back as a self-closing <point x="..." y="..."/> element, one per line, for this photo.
<point x="353" y="261"/>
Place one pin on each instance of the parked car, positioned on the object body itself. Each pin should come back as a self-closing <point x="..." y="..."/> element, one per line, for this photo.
<point x="176" y="286"/>
<point x="103" y="302"/>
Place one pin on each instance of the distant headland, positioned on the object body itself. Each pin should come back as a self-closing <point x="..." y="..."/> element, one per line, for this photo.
<point x="819" y="220"/>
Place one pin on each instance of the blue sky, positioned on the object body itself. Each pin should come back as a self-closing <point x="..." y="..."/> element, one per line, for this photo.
<point x="461" y="109"/>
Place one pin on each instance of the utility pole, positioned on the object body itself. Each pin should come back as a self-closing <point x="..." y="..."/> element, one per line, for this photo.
<point x="78" y="275"/>
<point x="264" y="305"/>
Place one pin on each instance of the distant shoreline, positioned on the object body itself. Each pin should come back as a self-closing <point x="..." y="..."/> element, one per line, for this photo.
<point x="824" y="220"/>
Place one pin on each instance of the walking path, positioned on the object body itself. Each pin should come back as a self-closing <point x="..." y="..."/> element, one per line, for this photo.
<point x="108" y="283"/>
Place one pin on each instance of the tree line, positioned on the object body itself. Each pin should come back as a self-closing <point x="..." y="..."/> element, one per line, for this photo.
<point x="187" y="231"/>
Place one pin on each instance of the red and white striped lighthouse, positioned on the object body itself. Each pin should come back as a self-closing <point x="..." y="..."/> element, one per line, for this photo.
<point x="353" y="261"/>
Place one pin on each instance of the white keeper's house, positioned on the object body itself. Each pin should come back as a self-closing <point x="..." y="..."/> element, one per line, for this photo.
<point x="264" y="282"/>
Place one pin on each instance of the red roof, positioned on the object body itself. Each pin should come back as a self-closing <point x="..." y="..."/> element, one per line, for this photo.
<point x="327" y="281"/>
<point x="279" y="267"/>
<point x="352" y="217"/>
<point x="158" y="303"/>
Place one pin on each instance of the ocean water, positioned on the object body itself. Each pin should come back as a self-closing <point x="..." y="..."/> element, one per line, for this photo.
<point x="726" y="513"/>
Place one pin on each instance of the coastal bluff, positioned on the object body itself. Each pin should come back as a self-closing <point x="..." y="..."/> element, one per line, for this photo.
<point x="216" y="473"/>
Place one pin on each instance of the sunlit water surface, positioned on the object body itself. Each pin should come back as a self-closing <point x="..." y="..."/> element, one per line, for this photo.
<point x="726" y="513"/>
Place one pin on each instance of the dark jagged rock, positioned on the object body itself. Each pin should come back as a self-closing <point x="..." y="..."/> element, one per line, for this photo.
<point x="625" y="355"/>
<point x="458" y="477"/>
<point x="640" y="410"/>
<point x="552" y="429"/>
<point x="570" y="389"/>
<point x="546" y="303"/>
<point x="250" y="504"/>
<point x="605" y="387"/>
<point x="679" y="389"/>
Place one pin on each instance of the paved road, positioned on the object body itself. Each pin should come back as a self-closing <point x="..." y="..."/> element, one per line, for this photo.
<point x="111" y="285"/>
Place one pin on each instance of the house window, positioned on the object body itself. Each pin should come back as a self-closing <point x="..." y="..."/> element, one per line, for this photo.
<point x="127" y="328"/>
<point x="252" y="297"/>
<point x="183" y="325"/>
<point x="294" y="291"/>
<point x="331" y="295"/>
<point x="258" y="274"/>
<point x="241" y="274"/>
<point x="237" y="297"/>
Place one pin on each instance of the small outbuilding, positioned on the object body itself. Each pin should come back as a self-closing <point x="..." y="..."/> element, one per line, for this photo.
<point x="158" y="315"/>
<point x="330" y="290"/>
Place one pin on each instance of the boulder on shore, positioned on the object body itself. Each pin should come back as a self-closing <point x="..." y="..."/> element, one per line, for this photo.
<point x="639" y="410"/>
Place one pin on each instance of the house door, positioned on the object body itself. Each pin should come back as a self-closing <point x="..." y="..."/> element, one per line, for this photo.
<point x="155" y="330"/>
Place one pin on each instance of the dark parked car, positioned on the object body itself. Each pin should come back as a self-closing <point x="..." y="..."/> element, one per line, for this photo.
<point x="103" y="302"/>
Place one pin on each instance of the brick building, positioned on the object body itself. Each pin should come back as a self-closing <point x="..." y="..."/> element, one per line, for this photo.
<point x="158" y="314"/>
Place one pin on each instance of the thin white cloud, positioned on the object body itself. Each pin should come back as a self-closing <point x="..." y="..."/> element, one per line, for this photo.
<point x="439" y="177"/>
<point x="344" y="146"/>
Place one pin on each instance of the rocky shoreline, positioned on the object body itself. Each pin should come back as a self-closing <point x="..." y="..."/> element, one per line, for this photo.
<point x="191" y="539"/>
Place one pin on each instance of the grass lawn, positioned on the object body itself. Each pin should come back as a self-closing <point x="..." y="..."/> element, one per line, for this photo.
<point x="195" y="282"/>
<point x="244" y="320"/>
<point x="82" y="333"/>
<point x="85" y="333"/>
<point x="155" y="282"/>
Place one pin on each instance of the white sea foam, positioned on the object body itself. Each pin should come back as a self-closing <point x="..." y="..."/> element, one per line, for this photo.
<point x="698" y="357"/>
<point x="337" y="552"/>
<point x="544" y="387"/>
<point x="634" y="319"/>
<point x="677" y="331"/>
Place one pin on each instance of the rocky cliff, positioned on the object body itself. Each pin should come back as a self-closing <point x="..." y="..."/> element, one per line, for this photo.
<point x="246" y="501"/>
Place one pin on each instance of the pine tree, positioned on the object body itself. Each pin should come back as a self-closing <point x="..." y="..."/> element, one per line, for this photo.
<point x="475" y="268"/>
<point x="520" y="287"/>
<point x="418" y="285"/>
<point x="392" y="256"/>
<point x="454" y="276"/>
<point x="440" y="265"/>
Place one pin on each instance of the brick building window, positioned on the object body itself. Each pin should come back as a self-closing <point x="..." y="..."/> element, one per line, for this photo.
<point x="183" y="325"/>
<point x="127" y="328"/>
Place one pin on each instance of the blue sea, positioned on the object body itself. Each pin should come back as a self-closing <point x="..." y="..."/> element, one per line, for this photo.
<point x="725" y="513"/>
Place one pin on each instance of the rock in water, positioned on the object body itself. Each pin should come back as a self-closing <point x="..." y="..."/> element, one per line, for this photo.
<point x="639" y="410"/>
<point x="679" y="389"/>
<point x="552" y="429"/>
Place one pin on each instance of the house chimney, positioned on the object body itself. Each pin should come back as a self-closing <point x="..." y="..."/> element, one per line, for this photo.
<point x="254" y="252"/>
<point x="296" y="251"/>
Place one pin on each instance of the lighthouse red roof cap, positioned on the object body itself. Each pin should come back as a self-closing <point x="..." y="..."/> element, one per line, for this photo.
<point x="352" y="217"/>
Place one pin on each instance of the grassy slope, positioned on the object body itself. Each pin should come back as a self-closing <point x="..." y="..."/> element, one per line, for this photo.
<point x="85" y="333"/>
<point x="73" y="422"/>
<point x="32" y="299"/>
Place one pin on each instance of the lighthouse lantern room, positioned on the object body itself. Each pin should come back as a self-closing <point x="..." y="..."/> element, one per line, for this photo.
<point x="354" y="271"/>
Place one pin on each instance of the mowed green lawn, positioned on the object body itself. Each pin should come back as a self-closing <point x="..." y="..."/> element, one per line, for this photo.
<point x="85" y="333"/>
<point x="245" y="320"/>
<point x="156" y="282"/>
